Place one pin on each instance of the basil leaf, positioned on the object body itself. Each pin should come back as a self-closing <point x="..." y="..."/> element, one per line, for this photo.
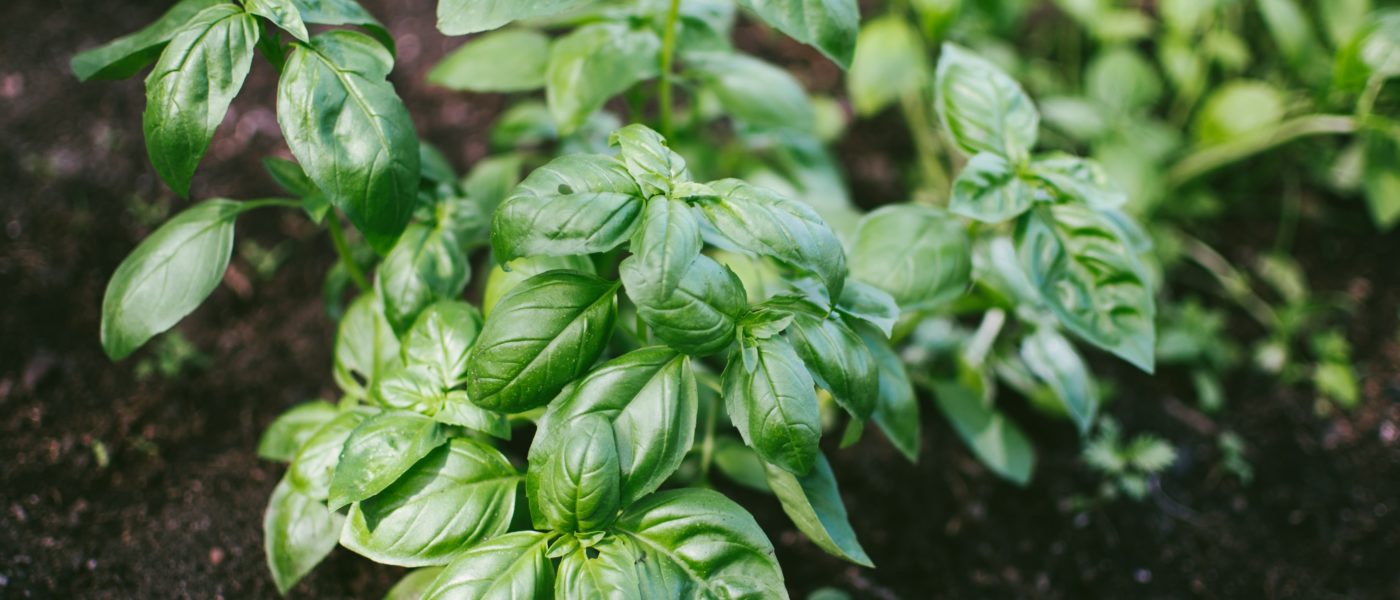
<point x="125" y="56"/>
<point x="344" y="12"/>
<point x="486" y="185"/>
<point x="314" y="465"/>
<point x="828" y="25"/>
<point x="458" y="409"/>
<point x="667" y="242"/>
<point x="291" y="178"/>
<point x="774" y="406"/>
<point x="168" y="275"/>
<point x="414" y="585"/>
<point x="576" y="204"/>
<point x="1051" y="357"/>
<point x="457" y="496"/>
<point x="427" y="264"/>
<point x="289" y="432"/>
<point x="1091" y="279"/>
<point x="411" y="387"/>
<point x="762" y="222"/>
<point x="513" y="60"/>
<point x="860" y="300"/>
<point x="579" y="486"/>
<point x="814" y="504"/>
<point x="890" y="63"/>
<point x="350" y="132"/>
<point x="699" y="315"/>
<point x="995" y="440"/>
<point x="982" y="108"/>
<point x="282" y="13"/>
<point x="897" y="408"/>
<point x="990" y="190"/>
<point x="191" y="87"/>
<point x="440" y="338"/>
<point x="699" y="544"/>
<point x="366" y="348"/>
<point x="753" y="91"/>
<point x="838" y="361"/>
<point x="594" y="63"/>
<point x="1076" y="179"/>
<point x="741" y="464"/>
<point x="508" y="567"/>
<point x="1381" y="179"/>
<point x="542" y="335"/>
<point x="920" y="255"/>
<point x="298" y="532"/>
<point x="647" y="158"/>
<point x="613" y="568"/>
<point x="378" y="451"/>
<point x="501" y="281"/>
<point x="460" y="17"/>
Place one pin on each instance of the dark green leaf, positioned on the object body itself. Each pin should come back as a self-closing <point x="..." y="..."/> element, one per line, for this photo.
<point x="513" y="60"/>
<point x="752" y="91"/>
<point x="897" y="409"/>
<point x="982" y="108"/>
<point x="741" y="464"/>
<point x="508" y="567"/>
<point x="285" y="436"/>
<point x="314" y="465"/>
<point x="995" y="440"/>
<point x="426" y="265"/>
<point x="774" y="406"/>
<point x="838" y="361"/>
<point x="577" y="204"/>
<point x="814" y="504"/>
<point x="298" y="532"/>
<point x="698" y="317"/>
<point x="380" y="450"/>
<point x="124" y="56"/>
<point x="282" y="13"/>
<point x="343" y="12"/>
<point x="870" y="304"/>
<point x="920" y="255"/>
<point x="366" y="348"/>
<point x="1051" y="357"/>
<point x="460" y="17"/>
<point x="291" y="178"/>
<point x="763" y="222"/>
<point x="577" y="486"/>
<point x="828" y="25"/>
<point x="593" y="64"/>
<point x="502" y="281"/>
<point x="667" y="243"/>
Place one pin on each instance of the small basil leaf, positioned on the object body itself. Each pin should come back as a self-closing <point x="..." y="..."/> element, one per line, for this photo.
<point x="838" y="361"/>
<point x="890" y="63"/>
<point x="1077" y="179"/>
<point x="350" y="132"/>
<point x="995" y="440"/>
<point x="897" y="409"/>
<point x="765" y="223"/>
<point x="698" y="317"/>
<point x="282" y="13"/>
<point x="168" y="275"/>
<point x="291" y="178"/>
<point x="752" y="91"/>
<point x="594" y="63"/>
<point x="1091" y="279"/>
<point x="414" y="585"/>
<point x="741" y="464"/>
<point x="645" y="155"/>
<point x="774" y="406"/>
<point x="614" y="568"/>
<point x="440" y="338"/>
<point x="541" y="336"/>
<point x="460" y="17"/>
<point x="870" y="304"/>
<point x="366" y="348"/>
<point x="1381" y="179"/>
<point x="920" y="255"/>
<point x="513" y="60"/>
<point x="576" y="204"/>
<point x="990" y="190"/>
<point x="458" y="409"/>
<point x="125" y="56"/>
<point x="426" y="265"/>
<point x="828" y="25"/>
<point x="288" y="433"/>
<point x="457" y="496"/>
<point x="982" y="108"/>
<point x="378" y="451"/>
<point x="501" y="281"/>
<point x="814" y="504"/>
<point x="434" y="167"/>
<point x="410" y="387"/>
<point x="298" y="532"/>
<point x="667" y="242"/>
<point x="508" y="567"/>
<point x="314" y="465"/>
<point x="344" y="12"/>
<point x="699" y="544"/>
<point x="579" y="486"/>
<point x="1051" y="357"/>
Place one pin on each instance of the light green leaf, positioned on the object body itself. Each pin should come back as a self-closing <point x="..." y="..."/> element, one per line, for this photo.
<point x="1381" y="180"/>
<point x="890" y="63"/>
<point x="830" y="26"/>
<point x="774" y="406"/>
<point x="501" y="281"/>
<point x="1292" y="31"/>
<point x="752" y="91"/>
<point x="1237" y="108"/>
<point x="897" y="409"/>
<point x="460" y="17"/>
<point x="644" y="153"/>
<point x="1123" y="81"/>
<point x="380" y="450"/>
<point x="343" y="12"/>
<point x="298" y="532"/>
<point x="512" y="60"/>
<point x="919" y="255"/>
<point x="1051" y="357"/>
<point x="667" y="243"/>
<point x="366" y="348"/>
<point x="410" y="387"/>
<point x="576" y="485"/>
<point x="614" y="568"/>
<point x="990" y="190"/>
<point x="860" y="300"/>
<point x="289" y="432"/>
<point x="426" y="265"/>
<point x="414" y="585"/>
<point x="982" y="108"/>
<point x="1075" y="179"/>
<point x="314" y="465"/>
<point x="282" y="13"/>
<point x="698" y="317"/>
<point x="594" y="63"/>
<point x="576" y="204"/>
<point x="440" y="338"/>
<point x="814" y="504"/>
<point x="125" y="56"/>
<point x="458" y="409"/>
<point x="765" y="223"/>
<point x="509" y="567"/>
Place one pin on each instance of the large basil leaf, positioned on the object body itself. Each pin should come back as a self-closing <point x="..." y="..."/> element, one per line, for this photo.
<point x="774" y="406"/>
<point x="501" y="281"/>
<point x="350" y="132"/>
<point x="753" y="91"/>
<point x="124" y="56"/>
<point x="1051" y="357"/>
<point x="513" y="60"/>
<point x="897" y="409"/>
<point x="838" y="361"/>
<point x="982" y="108"/>
<point x="828" y="25"/>
<point x="763" y="222"/>
<point x="990" y="190"/>
<point x="282" y="13"/>
<point x="168" y="275"/>
<point x="890" y="63"/>
<point x="298" y="532"/>
<point x="289" y="432"/>
<point x="508" y="567"/>
<point x="459" y="495"/>
<point x="427" y="264"/>
<point x="920" y="255"/>
<point x="366" y="348"/>
<point x="440" y="338"/>
<point x="644" y="153"/>
<point x="860" y="300"/>
<point x="576" y="204"/>
<point x="1075" y="179"/>
<point x="380" y="450"/>
<point x="314" y="466"/>
<point x="994" y="439"/>
<point x="343" y="12"/>
<point x="542" y="335"/>
<point x="579" y="486"/>
<point x="696" y="318"/>
<point x="460" y="17"/>
<point x="697" y="544"/>
<point x="191" y="87"/>
<point x="593" y="64"/>
<point x="667" y="242"/>
<point x="814" y="504"/>
<point x="1091" y="279"/>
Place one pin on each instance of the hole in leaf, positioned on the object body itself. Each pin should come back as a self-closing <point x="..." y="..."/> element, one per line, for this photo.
<point x="591" y="553"/>
<point x="565" y="189"/>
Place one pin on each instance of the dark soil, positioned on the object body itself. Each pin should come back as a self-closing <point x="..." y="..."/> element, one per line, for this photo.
<point x="174" y="507"/>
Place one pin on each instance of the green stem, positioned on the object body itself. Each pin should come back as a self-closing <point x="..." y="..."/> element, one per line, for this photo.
<point x="668" y="57"/>
<point x="343" y="250"/>
<point x="1234" y="283"/>
<point x="916" y="113"/>
<point x="1209" y="159"/>
<point x="707" y="447"/>
<point x="266" y="202"/>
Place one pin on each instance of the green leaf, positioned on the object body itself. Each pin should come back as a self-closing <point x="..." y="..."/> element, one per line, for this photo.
<point x="414" y="585"/>
<point x="366" y="348"/>
<point x="125" y="56"/>
<point x="289" y="432"/>
<point x="982" y="108"/>
<point x="1126" y="83"/>
<point x="990" y="190"/>
<point x="897" y="408"/>
<point x="168" y="275"/>
<point x="838" y="361"/>
<point x="282" y="13"/>
<point x="1292" y="31"/>
<point x="699" y="544"/>
<point x="1236" y="109"/>
<point x="1051" y="357"/>
<point x="1075" y="179"/>
<point x="458" y="409"/>
<point x="1381" y="180"/>
<point x="578" y="485"/>
<point x="814" y="504"/>
<point x="512" y="60"/>
<point x="576" y="204"/>
<point x="996" y="441"/>
<point x="542" y="335"/>
<point x="501" y="281"/>
<point x="667" y="243"/>
<point x="741" y="464"/>
<point x="426" y="265"/>
<point x="644" y="153"/>
<point x="919" y="255"/>
<point x="753" y="91"/>
<point x="291" y="178"/>
<point x="1091" y="279"/>
<point x="350" y="132"/>
<point x="191" y="87"/>
<point x="459" y="495"/>
<point x="765" y="223"/>
<point x="594" y="63"/>
<point x="828" y="25"/>
<point x="378" y="451"/>
<point x="314" y="465"/>
<point x="891" y="62"/>
<point x="343" y="12"/>
<point x="508" y="567"/>
<point x="699" y="315"/>
<point x="410" y="387"/>
<point x="860" y="300"/>
<point x="440" y="338"/>
<point x="774" y="406"/>
<point x="298" y="532"/>
<point x="488" y="184"/>
<point x="612" y="568"/>
<point x="460" y="17"/>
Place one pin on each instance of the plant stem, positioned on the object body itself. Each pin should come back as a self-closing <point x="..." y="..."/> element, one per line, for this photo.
<point x="1234" y="283"/>
<point x="916" y="113"/>
<point x="707" y="448"/>
<point x="668" y="57"/>
<point x="1209" y="159"/>
<point x="343" y="249"/>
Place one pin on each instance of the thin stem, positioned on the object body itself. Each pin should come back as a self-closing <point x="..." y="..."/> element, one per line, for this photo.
<point x="668" y="56"/>
<point x="1209" y="159"/>
<point x="266" y="202"/>
<point x="707" y="447"/>
<point x="1234" y="283"/>
<point x="1367" y="102"/>
<point x="916" y="113"/>
<point x="343" y="249"/>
